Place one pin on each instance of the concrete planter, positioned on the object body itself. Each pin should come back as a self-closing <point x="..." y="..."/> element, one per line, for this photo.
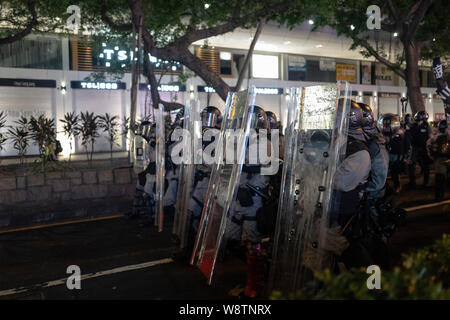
<point x="77" y="192"/>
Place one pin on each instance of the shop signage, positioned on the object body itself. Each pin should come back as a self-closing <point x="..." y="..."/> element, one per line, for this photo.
<point x="327" y="64"/>
<point x="164" y="87"/>
<point x="27" y="83"/>
<point x="345" y="72"/>
<point x="91" y="85"/>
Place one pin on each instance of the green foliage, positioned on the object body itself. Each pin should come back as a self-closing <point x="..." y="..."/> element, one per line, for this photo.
<point x="88" y="130"/>
<point x="110" y="125"/>
<point x="3" y="136"/>
<point x="70" y="128"/>
<point x="423" y="274"/>
<point x="341" y="15"/>
<point x="43" y="132"/>
<point x="20" y="136"/>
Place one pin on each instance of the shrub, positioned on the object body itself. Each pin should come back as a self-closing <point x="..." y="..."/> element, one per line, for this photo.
<point x="20" y="136"/>
<point x="3" y="136"/>
<point x="70" y="128"/>
<point x="423" y="274"/>
<point x="111" y="127"/>
<point x="88" y="130"/>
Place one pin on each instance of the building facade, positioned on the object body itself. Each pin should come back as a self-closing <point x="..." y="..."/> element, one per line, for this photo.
<point x="52" y="75"/>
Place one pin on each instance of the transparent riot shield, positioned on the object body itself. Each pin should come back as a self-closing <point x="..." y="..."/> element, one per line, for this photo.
<point x="225" y="176"/>
<point x="315" y="146"/>
<point x="191" y="134"/>
<point x="160" y="167"/>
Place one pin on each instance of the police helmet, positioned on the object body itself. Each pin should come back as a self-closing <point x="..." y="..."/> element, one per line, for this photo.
<point x="355" y="116"/>
<point x="272" y="118"/>
<point x="258" y="118"/>
<point x="389" y="124"/>
<point x="442" y="126"/>
<point x="211" y="117"/>
<point x="421" y="115"/>
<point x="368" y="122"/>
<point x="408" y="119"/>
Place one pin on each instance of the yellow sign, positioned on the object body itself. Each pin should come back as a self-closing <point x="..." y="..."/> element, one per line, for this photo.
<point x="345" y="72"/>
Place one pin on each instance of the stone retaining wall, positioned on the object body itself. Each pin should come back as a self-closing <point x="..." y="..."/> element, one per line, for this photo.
<point x="27" y="199"/>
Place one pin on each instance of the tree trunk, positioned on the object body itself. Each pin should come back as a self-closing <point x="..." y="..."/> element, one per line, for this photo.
<point x="135" y="73"/>
<point x="412" y="55"/>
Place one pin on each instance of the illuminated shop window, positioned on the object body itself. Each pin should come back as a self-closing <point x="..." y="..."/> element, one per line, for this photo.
<point x="265" y="66"/>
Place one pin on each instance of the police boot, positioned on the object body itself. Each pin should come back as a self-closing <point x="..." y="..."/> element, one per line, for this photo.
<point x="138" y="204"/>
<point x="439" y="187"/>
<point x="255" y="271"/>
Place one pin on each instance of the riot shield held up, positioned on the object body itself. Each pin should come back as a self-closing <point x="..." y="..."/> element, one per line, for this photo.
<point x="192" y="133"/>
<point x="160" y="167"/>
<point x="225" y="176"/>
<point x="304" y="240"/>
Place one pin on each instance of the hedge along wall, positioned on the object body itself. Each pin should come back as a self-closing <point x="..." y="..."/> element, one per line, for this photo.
<point x="28" y="199"/>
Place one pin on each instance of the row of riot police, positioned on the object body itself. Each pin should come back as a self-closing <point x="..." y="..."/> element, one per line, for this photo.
<point x="256" y="195"/>
<point x="360" y="222"/>
<point x="248" y="215"/>
<point x="410" y="143"/>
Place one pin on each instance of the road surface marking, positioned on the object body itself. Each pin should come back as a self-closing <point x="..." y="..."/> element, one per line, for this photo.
<point x="56" y="224"/>
<point x="425" y="206"/>
<point x="87" y="276"/>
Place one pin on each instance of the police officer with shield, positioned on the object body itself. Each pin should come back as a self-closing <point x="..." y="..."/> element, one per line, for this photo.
<point x="420" y="133"/>
<point x="211" y="118"/>
<point x="394" y="134"/>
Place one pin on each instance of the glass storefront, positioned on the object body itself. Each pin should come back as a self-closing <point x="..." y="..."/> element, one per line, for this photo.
<point x="36" y="52"/>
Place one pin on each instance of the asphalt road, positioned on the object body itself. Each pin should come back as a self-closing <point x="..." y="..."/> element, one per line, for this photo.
<point x="32" y="258"/>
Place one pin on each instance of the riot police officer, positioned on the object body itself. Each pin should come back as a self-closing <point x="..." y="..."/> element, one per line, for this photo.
<point x="253" y="190"/>
<point x="352" y="175"/>
<point x="144" y="156"/>
<point x="395" y="141"/>
<point x="440" y="151"/>
<point x="211" y="118"/>
<point x="378" y="154"/>
<point x="420" y="133"/>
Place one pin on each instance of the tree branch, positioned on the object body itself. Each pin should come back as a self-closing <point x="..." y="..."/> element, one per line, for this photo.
<point x="154" y="84"/>
<point x="392" y="10"/>
<point x="363" y="43"/>
<point x="195" y="35"/>
<point x="249" y="54"/>
<point x="111" y="23"/>
<point x="31" y="24"/>
<point x="417" y="17"/>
